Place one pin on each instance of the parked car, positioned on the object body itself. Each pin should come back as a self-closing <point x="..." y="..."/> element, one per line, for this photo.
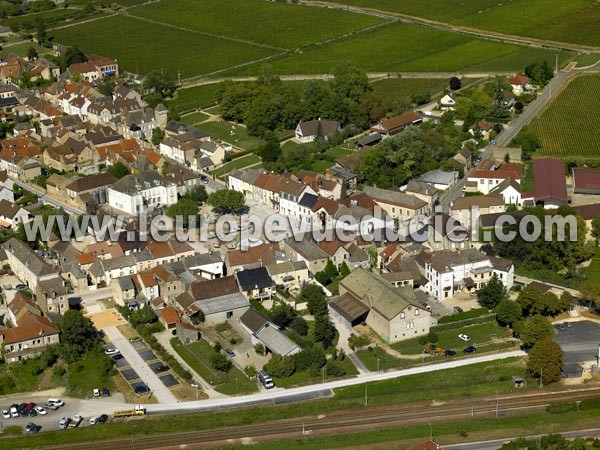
<point x="474" y="294"/>
<point x="41" y="411"/>
<point x="56" y="401"/>
<point x="102" y="419"/>
<point x="105" y="392"/>
<point x="21" y="287"/>
<point x="77" y="419"/>
<point x="32" y="412"/>
<point x="31" y="428"/>
<point x="569" y="324"/>
<point x="117" y="357"/>
<point x="94" y="420"/>
<point x="140" y="389"/>
<point x="265" y="379"/>
<point x="426" y="306"/>
<point x="14" y="411"/>
<point x="22" y="410"/>
<point x="111" y="351"/>
<point x="469" y="349"/>
<point x="230" y="353"/>
<point x="6" y="414"/>
<point x="64" y="423"/>
<point x="561" y="327"/>
<point x="96" y="392"/>
<point x="457" y="310"/>
<point x="449" y="352"/>
<point x="464" y="337"/>
<point x="51" y="406"/>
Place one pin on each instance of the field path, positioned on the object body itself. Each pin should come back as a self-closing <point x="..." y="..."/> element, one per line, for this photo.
<point x="477" y="32"/>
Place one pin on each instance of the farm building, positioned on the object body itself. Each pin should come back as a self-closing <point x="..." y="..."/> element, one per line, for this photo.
<point x="550" y="184"/>
<point x="586" y="181"/>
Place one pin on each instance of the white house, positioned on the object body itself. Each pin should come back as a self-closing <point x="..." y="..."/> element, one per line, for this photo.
<point x="141" y="192"/>
<point x="447" y="102"/>
<point x="519" y="84"/>
<point x="510" y="190"/>
<point x="308" y="131"/>
<point x="449" y="272"/>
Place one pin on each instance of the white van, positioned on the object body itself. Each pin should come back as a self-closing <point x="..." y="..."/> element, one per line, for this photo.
<point x="56" y="401"/>
<point x="265" y="379"/>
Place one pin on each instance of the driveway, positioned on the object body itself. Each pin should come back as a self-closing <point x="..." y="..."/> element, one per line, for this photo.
<point x="159" y="390"/>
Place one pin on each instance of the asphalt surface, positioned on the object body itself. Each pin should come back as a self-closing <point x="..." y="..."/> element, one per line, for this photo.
<point x="580" y="342"/>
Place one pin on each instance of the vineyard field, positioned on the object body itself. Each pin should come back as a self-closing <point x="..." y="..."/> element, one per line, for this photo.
<point x="569" y="128"/>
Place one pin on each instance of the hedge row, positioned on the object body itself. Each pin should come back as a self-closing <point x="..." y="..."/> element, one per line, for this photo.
<point x="463" y="323"/>
<point x="561" y="408"/>
<point x="590" y="403"/>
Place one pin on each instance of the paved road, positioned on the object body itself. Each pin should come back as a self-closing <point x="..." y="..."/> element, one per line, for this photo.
<point x="159" y="390"/>
<point x="300" y="393"/>
<point x="496" y="444"/>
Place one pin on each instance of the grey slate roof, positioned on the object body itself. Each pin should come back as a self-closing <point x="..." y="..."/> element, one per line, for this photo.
<point x="223" y="303"/>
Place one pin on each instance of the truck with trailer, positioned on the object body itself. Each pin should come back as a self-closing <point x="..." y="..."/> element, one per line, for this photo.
<point x="138" y="410"/>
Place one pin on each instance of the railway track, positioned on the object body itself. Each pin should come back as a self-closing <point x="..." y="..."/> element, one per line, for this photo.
<point x="373" y="418"/>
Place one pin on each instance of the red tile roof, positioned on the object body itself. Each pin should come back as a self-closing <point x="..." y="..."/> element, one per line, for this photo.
<point x="169" y="315"/>
<point x="29" y="328"/>
<point x="519" y="80"/>
<point x="549" y="180"/>
<point x="586" y="179"/>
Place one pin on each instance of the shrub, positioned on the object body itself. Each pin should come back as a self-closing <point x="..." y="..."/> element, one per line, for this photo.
<point x="308" y="357"/>
<point x="280" y="367"/>
<point x="358" y="341"/>
<point x="59" y="371"/>
<point x="220" y="362"/>
<point x="300" y="326"/>
<point x="334" y="370"/>
<point x="561" y="408"/>
<point x="590" y="403"/>
<point x="218" y="347"/>
<point x="222" y="327"/>
<point x="259" y="348"/>
<point x="250" y="371"/>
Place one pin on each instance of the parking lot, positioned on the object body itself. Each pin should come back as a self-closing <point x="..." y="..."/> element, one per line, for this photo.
<point x="140" y="366"/>
<point x="49" y="422"/>
<point x="579" y="342"/>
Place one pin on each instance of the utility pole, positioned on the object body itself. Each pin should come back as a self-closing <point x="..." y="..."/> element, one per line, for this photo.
<point x="497" y="404"/>
<point x="557" y="64"/>
<point x="430" y="432"/>
<point x="366" y="395"/>
<point x="541" y="377"/>
<point x="179" y="77"/>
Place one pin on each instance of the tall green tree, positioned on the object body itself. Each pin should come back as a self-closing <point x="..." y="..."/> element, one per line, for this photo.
<point x="508" y="312"/>
<point x="184" y="208"/>
<point x="227" y="200"/>
<point x="492" y="293"/>
<point x="78" y="335"/>
<point x="118" y="170"/>
<point x="533" y="329"/>
<point x="545" y="360"/>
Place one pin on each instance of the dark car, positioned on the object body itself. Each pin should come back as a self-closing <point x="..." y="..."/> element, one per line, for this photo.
<point x="457" y="310"/>
<point x="22" y="410"/>
<point x="117" y="356"/>
<point x="105" y="392"/>
<point x="141" y="389"/>
<point x="103" y="418"/>
<point x="32" y="412"/>
<point x="449" y="352"/>
<point x="160" y="368"/>
<point x="31" y="428"/>
<point x="469" y="349"/>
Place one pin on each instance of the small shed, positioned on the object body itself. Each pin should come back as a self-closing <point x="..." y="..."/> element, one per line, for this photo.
<point x="519" y="382"/>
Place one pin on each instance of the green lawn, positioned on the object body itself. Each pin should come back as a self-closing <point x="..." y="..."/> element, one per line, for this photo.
<point x="195" y="97"/>
<point x="464" y="382"/>
<point x="151" y="47"/>
<point x="593" y="271"/>
<point x="370" y="359"/>
<point x="194" y="118"/>
<point x="422" y="49"/>
<point x="566" y="128"/>
<point x="238" y="163"/>
<point x="20" y="377"/>
<point x="90" y="372"/>
<point x="198" y="355"/>
<point x="587" y="60"/>
<point x="270" y="23"/>
<point x="304" y="377"/>
<point x="22" y="49"/>
<point x="391" y="89"/>
<point x="479" y="334"/>
<point x="337" y="152"/>
<point x="232" y="134"/>
<point x="561" y="20"/>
